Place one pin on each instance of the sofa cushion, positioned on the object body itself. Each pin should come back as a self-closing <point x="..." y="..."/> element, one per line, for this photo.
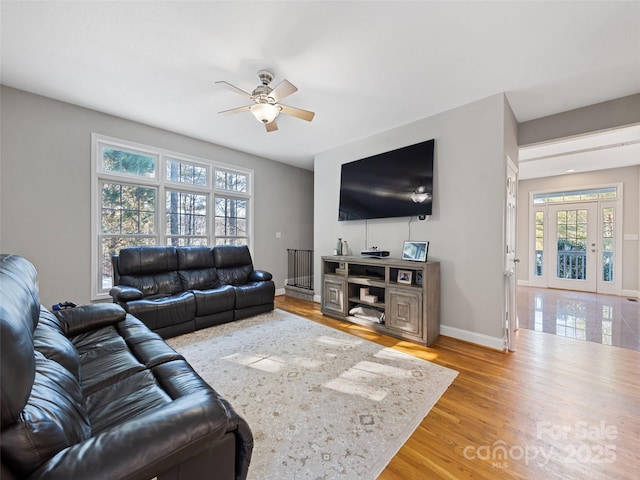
<point x="105" y="359"/>
<point x="147" y="260"/>
<point x="196" y="268"/>
<point x="53" y="418"/>
<point x="124" y="400"/>
<point x="19" y="312"/>
<point x="49" y="340"/>
<point x="159" y="284"/>
<point x="148" y="347"/>
<point x="254" y="293"/>
<point x="221" y="299"/>
<point x="233" y="263"/>
<point x="160" y="312"/>
<point x="152" y="270"/>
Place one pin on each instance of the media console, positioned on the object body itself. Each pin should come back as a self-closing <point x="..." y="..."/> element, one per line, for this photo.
<point x="396" y="297"/>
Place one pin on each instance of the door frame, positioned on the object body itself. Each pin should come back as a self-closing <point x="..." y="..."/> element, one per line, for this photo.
<point x="609" y="288"/>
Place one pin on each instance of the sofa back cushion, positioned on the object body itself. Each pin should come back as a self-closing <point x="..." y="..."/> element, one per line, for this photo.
<point x="19" y="312"/>
<point x="233" y="264"/>
<point x="49" y="339"/>
<point x="196" y="268"/>
<point x="152" y="270"/>
<point x="54" y="418"/>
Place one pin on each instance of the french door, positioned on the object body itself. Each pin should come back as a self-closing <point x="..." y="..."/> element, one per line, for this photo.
<point x="577" y="245"/>
<point x="573" y="258"/>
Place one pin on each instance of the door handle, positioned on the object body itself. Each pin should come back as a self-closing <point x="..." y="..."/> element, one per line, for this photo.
<point x="516" y="260"/>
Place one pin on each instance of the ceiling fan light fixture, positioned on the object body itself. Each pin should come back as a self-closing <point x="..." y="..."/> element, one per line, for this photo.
<point x="265" y="112"/>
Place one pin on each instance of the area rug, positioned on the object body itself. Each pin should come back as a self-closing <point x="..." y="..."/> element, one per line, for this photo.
<point x="322" y="404"/>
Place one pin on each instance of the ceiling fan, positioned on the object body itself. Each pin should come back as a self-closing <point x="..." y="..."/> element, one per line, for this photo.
<point x="265" y="105"/>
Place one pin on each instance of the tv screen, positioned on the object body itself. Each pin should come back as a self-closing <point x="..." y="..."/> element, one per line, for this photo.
<point x="398" y="183"/>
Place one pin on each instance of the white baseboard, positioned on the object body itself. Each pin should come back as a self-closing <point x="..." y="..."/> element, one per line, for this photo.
<point x="524" y="283"/>
<point x="630" y="293"/>
<point x="473" y="337"/>
<point x="280" y="291"/>
<point x="317" y="299"/>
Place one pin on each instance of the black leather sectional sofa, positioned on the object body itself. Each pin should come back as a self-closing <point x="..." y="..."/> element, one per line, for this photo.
<point x="92" y="393"/>
<point x="175" y="290"/>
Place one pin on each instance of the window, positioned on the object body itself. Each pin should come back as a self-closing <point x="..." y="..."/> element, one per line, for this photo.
<point x="606" y="193"/>
<point x="146" y="196"/>
<point x="231" y="207"/>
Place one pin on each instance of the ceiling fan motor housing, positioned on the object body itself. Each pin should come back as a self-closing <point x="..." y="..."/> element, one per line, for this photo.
<point x="261" y="92"/>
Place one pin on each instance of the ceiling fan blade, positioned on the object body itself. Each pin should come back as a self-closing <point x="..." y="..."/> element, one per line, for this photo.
<point x="271" y="126"/>
<point x="233" y="88"/>
<point x="284" y="89"/>
<point x="297" y="112"/>
<point x="237" y="109"/>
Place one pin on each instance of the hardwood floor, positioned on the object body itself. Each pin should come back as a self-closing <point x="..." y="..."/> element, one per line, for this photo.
<point x="557" y="408"/>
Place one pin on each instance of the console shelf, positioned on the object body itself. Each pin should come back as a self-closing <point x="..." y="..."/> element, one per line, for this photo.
<point x="408" y="295"/>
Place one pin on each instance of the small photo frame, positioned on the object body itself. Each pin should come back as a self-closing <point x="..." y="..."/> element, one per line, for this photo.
<point x="415" y="251"/>
<point x="405" y="276"/>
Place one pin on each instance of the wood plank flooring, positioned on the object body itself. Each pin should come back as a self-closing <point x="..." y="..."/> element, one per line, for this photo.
<point x="557" y="408"/>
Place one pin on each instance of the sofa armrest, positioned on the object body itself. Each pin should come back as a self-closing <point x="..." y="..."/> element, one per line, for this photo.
<point x="260" y="276"/>
<point x="125" y="293"/>
<point x="89" y="317"/>
<point x="145" y="446"/>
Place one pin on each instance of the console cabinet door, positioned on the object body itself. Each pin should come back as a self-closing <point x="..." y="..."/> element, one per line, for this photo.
<point x="404" y="311"/>
<point x="333" y="296"/>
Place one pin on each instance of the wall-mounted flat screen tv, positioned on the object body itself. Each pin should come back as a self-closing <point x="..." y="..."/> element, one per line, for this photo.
<point x="398" y="183"/>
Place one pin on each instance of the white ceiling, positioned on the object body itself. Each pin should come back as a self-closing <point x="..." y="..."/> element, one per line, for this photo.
<point x="363" y="67"/>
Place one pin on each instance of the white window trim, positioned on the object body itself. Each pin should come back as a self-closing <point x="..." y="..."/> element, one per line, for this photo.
<point x="161" y="185"/>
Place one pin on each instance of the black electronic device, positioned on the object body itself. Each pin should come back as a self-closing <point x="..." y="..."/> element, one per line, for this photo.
<point x="398" y="183"/>
<point x="375" y="253"/>
<point x="63" y="305"/>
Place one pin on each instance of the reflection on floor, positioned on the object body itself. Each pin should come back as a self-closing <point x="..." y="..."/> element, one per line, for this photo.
<point x="605" y="319"/>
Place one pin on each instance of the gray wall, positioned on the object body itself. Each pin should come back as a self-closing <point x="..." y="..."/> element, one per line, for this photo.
<point x="46" y="186"/>
<point x="628" y="176"/>
<point x="465" y="232"/>
<point x="601" y="116"/>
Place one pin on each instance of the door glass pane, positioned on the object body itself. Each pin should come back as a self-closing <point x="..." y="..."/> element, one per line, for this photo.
<point x="607" y="244"/>
<point x="572" y="244"/>
<point x="539" y="244"/>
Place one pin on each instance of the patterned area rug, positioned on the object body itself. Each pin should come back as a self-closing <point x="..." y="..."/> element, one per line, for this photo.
<point x="322" y="404"/>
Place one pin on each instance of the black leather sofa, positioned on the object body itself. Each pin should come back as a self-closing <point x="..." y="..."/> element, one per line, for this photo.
<point x="175" y="290"/>
<point x="92" y="393"/>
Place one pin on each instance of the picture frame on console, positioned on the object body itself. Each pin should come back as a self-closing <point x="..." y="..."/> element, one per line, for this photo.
<point x="415" y="251"/>
<point x="405" y="276"/>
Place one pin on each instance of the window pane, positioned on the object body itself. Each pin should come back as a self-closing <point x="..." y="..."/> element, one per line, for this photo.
<point x="539" y="266"/>
<point x="231" y="181"/>
<point x="230" y="217"/>
<point x="128" y="162"/>
<point x="110" y="246"/>
<point x="128" y="209"/>
<point x="576" y="195"/>
<point x="187" y="173"/>
<point x="571" y="261"/>
<point x="608" y="245"/>
<point x="230" y="241"/>
<point x="187" y="241"/>
<point x="186" y="213"/>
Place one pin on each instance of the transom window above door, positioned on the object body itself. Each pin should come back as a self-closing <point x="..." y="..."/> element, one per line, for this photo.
<point x="572" y="196"/>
